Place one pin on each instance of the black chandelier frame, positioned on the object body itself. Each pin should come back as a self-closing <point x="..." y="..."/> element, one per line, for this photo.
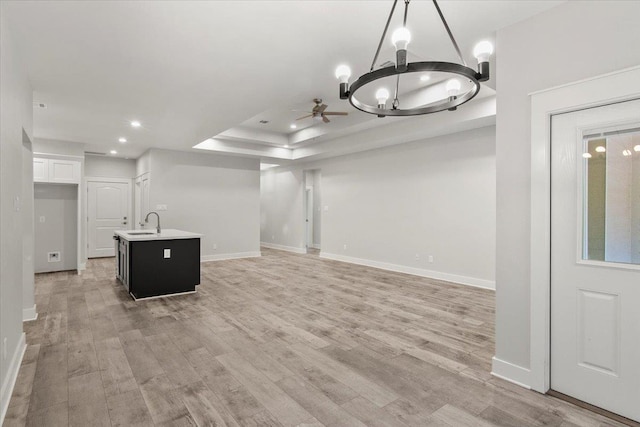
<point x="451" y="103"/>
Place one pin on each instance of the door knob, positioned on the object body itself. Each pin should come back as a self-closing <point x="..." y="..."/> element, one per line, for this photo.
<point x="124" y="222"/>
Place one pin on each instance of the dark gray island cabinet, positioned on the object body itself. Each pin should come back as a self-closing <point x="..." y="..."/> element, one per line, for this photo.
<point x="151" y="264"/>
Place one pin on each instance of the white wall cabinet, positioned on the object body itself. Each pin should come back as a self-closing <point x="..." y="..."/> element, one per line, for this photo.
<point x="56" y="171"/>
<point x="40" y="170"/>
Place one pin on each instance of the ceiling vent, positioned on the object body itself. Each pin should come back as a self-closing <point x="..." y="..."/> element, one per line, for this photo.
<point x="94" y="153"/>
<point x="39" y="105"/>
<point x="264" y="122"/>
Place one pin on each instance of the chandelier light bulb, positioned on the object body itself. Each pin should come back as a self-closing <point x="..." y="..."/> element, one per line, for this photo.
<point x="453" y="87"/>
<point x="482" y="51"/>
<point x="600" y="149"/>
<point x="382" y="95"/>
<point x="343" y="72"/>
<point x="401" y="38"/>
<point x="636" y="148"/>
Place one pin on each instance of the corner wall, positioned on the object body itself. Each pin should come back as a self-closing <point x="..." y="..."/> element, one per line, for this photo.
<point x="573" y="41"/>
<point x="396" y="206"/>
<point x="16" y="116"/>
<point x="217" y="196"/>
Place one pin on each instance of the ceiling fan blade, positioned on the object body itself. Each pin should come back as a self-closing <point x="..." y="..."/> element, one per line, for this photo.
<point x="304" y="117"/>
<point x="325" y="119"/>
<point x="322" y="107"/>
<point x="335" y="113"/>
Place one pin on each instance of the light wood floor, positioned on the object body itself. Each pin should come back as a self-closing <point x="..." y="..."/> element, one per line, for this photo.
<point x="284" y="339"/>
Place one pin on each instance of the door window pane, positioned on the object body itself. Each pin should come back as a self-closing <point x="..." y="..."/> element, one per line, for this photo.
<point x="611" y="209"/>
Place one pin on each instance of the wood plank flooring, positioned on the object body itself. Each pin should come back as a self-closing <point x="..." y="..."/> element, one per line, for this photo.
<point x="281" y="340"/>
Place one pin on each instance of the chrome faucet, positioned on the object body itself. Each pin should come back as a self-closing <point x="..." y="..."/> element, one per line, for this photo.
<point x="146" y="219"/>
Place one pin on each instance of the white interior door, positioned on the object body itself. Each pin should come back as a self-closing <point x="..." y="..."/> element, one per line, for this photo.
<point x="309" y="216"/>
<point x="107" y="211"/>
<point x="595" y="256"/>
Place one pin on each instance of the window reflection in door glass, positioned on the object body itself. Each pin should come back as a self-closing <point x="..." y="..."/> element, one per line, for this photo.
<point x="612" y="197"/>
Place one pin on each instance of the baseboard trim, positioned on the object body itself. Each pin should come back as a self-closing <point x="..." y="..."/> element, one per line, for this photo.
<point x="463" y="280"/>
<point x="284" y="248"/>
<point x="12" y="375"/>
<point x="315" y="246"/>
<point x="223" y="257"/>
<point x="29" y="314"/>
<point x="509" y="372"/>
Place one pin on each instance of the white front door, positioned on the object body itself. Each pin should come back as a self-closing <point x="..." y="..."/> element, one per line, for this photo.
<point x="595" y="256"/>
<point x="107" y="211"/>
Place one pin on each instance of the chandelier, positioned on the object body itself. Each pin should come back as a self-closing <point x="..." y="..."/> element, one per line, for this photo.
<point x="462" y="88"/>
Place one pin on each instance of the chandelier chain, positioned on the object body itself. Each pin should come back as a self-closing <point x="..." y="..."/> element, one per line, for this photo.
<point x="446" y="26"/>
<point x="396" y="101"/>
<point x="384" y="34"/>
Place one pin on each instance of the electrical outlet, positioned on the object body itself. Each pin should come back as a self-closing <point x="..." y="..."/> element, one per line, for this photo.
<point x="417" y="256"/>
<point x="430" y="258"/>
<point x="4" y="348"/>
<point x="42" y="218"/>
<point x="215" y="246"/>
<point x="344" y="247"/>
<point x="167" y="253"/>
<point x="161" y="207"/>
<point x="53" y="256"/>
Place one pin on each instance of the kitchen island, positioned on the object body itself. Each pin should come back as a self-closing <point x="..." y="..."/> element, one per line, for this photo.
<point x="151" y="264"/>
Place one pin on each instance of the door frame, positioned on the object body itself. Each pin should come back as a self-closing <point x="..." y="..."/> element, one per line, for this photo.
<point x="618" y="86"/>
<point x="89" y="179"/>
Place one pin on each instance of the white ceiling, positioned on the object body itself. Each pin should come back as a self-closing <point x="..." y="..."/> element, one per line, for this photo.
<point x="193" y="70"/>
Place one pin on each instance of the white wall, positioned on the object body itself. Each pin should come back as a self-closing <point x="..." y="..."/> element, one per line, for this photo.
<point x="573" y="41"/>
<point x="28" y="299"/>
<point x="16" y="115"/>
<point x="281" y="208"/>
<point x="432" y="197"/>
<point x="218" y="196"/>
<point x="109" y="167"/>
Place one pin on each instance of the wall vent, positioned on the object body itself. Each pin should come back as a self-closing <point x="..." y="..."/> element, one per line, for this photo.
<point x="95" y="153"/>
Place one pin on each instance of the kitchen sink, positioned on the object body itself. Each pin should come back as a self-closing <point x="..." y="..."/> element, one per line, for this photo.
<point x="141" y="233"/>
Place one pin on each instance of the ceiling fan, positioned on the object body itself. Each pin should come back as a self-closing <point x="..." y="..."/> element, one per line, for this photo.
<point x="318" y="112"/>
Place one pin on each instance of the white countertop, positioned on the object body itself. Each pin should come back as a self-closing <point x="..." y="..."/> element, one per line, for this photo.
<point x="165" y="234"/>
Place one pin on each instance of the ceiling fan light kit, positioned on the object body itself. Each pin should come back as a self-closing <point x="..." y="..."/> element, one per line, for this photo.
<point x="400" y="38"/>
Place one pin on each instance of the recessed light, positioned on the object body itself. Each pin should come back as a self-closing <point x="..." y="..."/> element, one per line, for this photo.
<point x="286" y="146"/>
<point x="626" y="153"/>
<point x="135" y="124"/>
<point x="637" y="148"/>
<point x="123" y="140"/>
<point x="586" y="155"/>
<point x="600" y="149"/>
<point x="293" y="126"/>
<point x="113" y="152"/>
<point x="425" y="77"/>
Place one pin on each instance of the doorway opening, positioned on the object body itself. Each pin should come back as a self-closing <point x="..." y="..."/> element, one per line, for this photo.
<point x="312" y="211"/>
